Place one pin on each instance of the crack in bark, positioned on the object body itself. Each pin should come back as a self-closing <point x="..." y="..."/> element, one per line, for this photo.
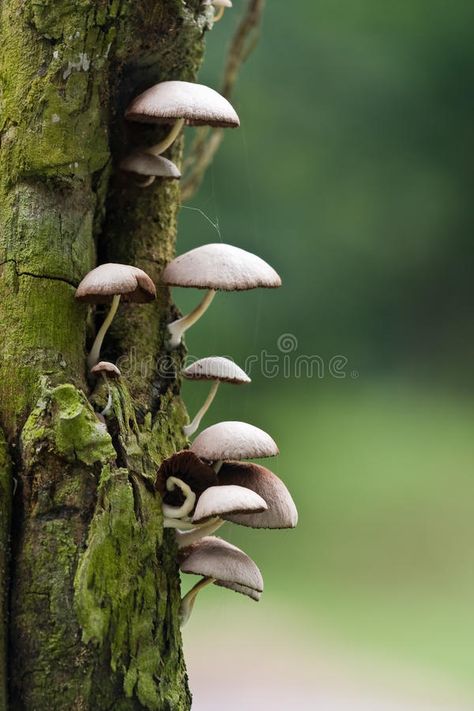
<point x="49" y="277"/>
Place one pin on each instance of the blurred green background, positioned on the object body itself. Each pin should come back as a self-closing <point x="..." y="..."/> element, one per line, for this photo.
<point x="352" y="175"/>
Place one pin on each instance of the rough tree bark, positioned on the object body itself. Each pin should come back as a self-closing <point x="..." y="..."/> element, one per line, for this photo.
<point x="90" y="597"/>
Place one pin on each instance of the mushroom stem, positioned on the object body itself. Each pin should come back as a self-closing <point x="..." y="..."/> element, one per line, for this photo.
<point x="145" y="183"/>
<point x="94" y="355"/>
<point x="178" y="524"/>
<point x="187" y="603"/>
<point x="217" y="465"/>
<point x="108" y="406"/>
<point x="181" y="325"/>
<point x="204" y="529"/>
<point x="219" y="13"/>
<point x="161" y="147"/>
<point x="193" y="426"/>
<point x="176" y="512"/>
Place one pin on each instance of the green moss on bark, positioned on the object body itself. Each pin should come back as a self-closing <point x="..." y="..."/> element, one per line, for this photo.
<point x="122" y="593"/>
<point x="5" y="515"/>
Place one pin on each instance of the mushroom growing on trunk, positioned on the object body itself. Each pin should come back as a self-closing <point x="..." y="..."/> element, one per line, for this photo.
<point x="219" y="370"/>
<point x="107" y="371"/>
<point x="233" y="440"/>
<point x="220" y="7"/>
<point x="108" y="283"/>
<point x="220" y="563"/>
<point x="142" y="163"/>
<point x="180" y="103"/>
<point x="215" y="267"/>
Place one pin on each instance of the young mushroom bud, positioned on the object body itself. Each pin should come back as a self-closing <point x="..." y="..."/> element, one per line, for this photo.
<point x="107" y="371"/>
<point x="109" y="283"/>
<point x="179" y="103"/>
<point x="281" y="510"/>
<point x="220" y="563"/>
<point x="219" y="370"/>
<point x="141" y="163"/>
<point x="215" y="267"/>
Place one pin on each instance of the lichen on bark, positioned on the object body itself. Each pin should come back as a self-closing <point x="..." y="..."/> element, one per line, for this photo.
<point x="94" y="590"/>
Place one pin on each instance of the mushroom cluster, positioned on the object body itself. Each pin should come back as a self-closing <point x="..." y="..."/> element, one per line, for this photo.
<point x="213" y="481"/>
<point x="209" y="484"/>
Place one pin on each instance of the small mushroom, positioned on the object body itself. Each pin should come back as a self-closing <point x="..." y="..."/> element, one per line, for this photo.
<point x="215" y="267"/>
<point x="233" y="440"/>
<point x="220" y="7"/>
<point x="180" y="103"/>
<point x="223" y="501"/>
<point x="107" y="371"/>
<point x="281" y="510"/>
<point x="150" y="167"/>
<point x="218" y="369"/>
<point x="220" y="563"/>
<point x="109" y="283"/>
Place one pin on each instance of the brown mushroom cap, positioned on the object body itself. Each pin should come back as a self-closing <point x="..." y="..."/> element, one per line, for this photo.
<point x="188" y="467"/>
<point x="233" y="440"/>
<point x="221" y="267"/>
<point x="216" y="368"/>
<point x="109" y="369"/>
<point x="143" y="163"/>
<point x="109" y="280"/>
<point x="214" y="558"/>
<point x="281" y="512"/>
<point x="221" y="500"/>
<point x="169" y="101"/>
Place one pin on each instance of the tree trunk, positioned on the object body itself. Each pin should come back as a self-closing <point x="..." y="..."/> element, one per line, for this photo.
<point x="90" y="598"/>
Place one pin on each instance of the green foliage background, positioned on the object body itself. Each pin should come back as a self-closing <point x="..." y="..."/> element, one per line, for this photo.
<point x="352" y="175"/>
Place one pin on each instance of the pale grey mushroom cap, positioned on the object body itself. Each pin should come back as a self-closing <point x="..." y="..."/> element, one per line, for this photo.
<point x="216" y="368"/>
<point x="214" y="558"/>
<point x="233" y="440"/>
<point x="221" y="267"/>
<point x="221" y="500"/>
<point x="169" y="101"/>
<point x="281" y="512"/>
<point x="143" y="163"/>
<point x="221" y="3"/>
<point x="109" y="280"/>
<point x="107" y="368"/>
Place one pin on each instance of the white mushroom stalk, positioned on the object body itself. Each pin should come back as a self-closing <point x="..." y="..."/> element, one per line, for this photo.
<point x="186" y="539"/>
<point x="187" y="602"/>
<point x="219" y="8"/>
<point x="179" y="512"/>
<point x="181" y="325"/>
<point x="108" y="406"/>
<point x="193" y="426"/>
<point x="169" y="139"/>
<point x="94" y="355"/>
